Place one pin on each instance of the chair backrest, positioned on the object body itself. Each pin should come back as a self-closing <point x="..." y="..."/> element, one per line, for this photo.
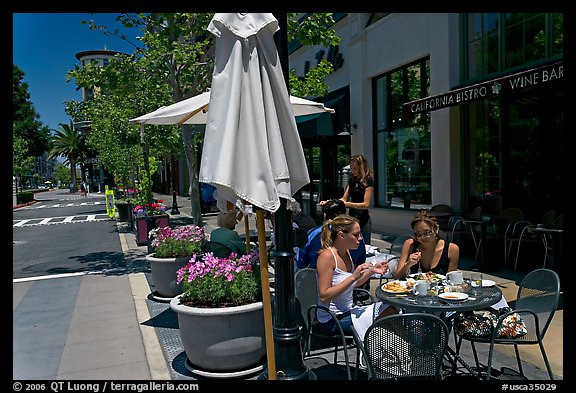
<point x="397" y="243"/>
<point x="218" y="249"/>
<point x="506" y="220"/>
<point x="441" y="208"/>
<point x="403" y="346"/>
<point x="306" y="290"/>
<point x="548" y="217"/>
<point x="559" y="221"/>
<point x="442" y="220"/>
<point x="511" y="215"/>
<point x="476" y="212"/>
<point x="539" y="291"/>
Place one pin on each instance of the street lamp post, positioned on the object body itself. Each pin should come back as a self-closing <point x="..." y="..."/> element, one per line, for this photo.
<point x="287" y="334"/>
<point x="173" y="181"/>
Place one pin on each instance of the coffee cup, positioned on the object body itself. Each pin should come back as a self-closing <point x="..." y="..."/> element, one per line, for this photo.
<point x="455" y="277"/>
<point x="421" y="288"/>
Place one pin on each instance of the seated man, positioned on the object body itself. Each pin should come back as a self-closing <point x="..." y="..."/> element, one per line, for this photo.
<point x="226" y="233"/>
<point x="309" y="253"/>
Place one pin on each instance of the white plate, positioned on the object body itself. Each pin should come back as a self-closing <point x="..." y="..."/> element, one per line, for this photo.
<point x="436" y="277"/>
<point x="402" y="284"/>
<point x="453" y="296"/>
<point x="485" y="283"/>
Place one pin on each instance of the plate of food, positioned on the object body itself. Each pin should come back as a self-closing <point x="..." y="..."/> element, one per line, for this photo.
<point x="485" y="283"/>
<point x="453" y="296"/>
<point x="428" y="276"/>
<point x="397" y="286"/>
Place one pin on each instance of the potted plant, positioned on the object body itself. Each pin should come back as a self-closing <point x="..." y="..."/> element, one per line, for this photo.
<point x="173" y="248"/>
<point x="220" y="314"/>
<point x="148" y="216"/>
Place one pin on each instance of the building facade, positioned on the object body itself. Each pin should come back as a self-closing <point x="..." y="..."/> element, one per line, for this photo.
<point x="449" y="108"/>
<point x="95" y="173"/>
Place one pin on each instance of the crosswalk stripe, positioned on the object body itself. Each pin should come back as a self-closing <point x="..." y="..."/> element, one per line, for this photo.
<point x="61" y="220"/>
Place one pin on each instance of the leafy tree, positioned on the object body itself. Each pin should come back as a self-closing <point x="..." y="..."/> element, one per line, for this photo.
<point x="68" y="142"/>
<point x="175" y="63"/>
<point x="25" y="121"/>
<point x="62" y="174"/>
<point x="22" y="163"/>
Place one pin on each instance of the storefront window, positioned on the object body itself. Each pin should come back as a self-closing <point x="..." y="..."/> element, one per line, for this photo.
<point x="402" y="168"/>
<point x="509" y="137"/>
<point x="500" y="42"/>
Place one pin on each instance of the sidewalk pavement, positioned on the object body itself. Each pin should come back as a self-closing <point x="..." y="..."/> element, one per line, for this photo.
<point x="106" y="325"/>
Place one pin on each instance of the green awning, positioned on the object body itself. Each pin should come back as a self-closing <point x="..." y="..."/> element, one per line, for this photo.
<point x="318" y="124"/>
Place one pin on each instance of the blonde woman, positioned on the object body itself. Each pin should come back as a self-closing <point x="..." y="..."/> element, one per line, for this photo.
<point x="337" y="278"/>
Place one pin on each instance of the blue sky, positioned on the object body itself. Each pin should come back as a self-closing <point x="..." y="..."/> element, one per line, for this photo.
<point x="45" y="47"/>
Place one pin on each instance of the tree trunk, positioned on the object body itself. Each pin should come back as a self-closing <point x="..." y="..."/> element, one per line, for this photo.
<point x="73" y="173"/>
<point x="191" y="161"/>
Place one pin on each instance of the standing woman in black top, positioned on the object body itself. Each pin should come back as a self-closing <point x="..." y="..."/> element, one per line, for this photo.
<point x="358" y="194"/>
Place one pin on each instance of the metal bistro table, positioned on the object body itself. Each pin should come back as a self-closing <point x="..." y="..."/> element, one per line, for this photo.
<point x="548" y="234"/>
<point x="409" y="302"/>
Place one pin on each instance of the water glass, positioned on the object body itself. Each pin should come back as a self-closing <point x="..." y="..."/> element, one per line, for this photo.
<point x="476" y="281"/>
<point x="432" y="292"/>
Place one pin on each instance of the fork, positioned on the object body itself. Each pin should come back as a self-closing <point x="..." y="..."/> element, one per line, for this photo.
<point x="419" y="266"/>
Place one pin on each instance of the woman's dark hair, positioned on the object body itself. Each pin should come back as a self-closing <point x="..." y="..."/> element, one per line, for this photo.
<point x="332" y="208"/>
<point x="428" y="217"/>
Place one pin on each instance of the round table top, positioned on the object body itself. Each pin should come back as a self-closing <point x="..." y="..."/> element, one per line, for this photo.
<point x="545" y="229"/>
<point x="487" y="297"/>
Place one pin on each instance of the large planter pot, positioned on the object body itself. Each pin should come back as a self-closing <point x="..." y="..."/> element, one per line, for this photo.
<point x="220" y="342"/>
<point x="147" y="223"/>
<point x="164" y="274"/>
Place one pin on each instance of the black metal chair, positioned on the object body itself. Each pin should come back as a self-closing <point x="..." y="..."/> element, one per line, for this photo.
<point x="536" y="303"/>
<point x="396" y="245"/>
<point x="306" y="294"/>
<point x="443" y="214"/>
<point x="528" y="236"/>
<point x="405" y="346"/>
<point x="458" y="226"/>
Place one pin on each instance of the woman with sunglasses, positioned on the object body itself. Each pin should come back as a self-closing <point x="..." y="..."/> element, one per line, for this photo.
<point x="427" y="251"/>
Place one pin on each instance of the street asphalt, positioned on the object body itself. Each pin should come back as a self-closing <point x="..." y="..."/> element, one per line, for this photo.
<point x="108" y="325"/>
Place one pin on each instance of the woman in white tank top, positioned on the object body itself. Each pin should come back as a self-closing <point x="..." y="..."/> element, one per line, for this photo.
<point x="337" y="278"/>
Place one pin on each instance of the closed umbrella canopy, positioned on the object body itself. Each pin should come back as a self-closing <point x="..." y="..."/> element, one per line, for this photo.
<point x="194" y="110"/>
<point x="252" y="149"/>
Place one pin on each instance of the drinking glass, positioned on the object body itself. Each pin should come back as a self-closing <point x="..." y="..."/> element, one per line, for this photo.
<point x="476" y="281"/>
<point x="432" y="292"/>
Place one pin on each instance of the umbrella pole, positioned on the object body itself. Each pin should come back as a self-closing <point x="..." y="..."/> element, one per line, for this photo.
<point x="265" y="292"/>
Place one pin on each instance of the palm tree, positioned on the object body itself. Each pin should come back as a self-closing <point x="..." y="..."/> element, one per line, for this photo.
<point x="70" y="143"/>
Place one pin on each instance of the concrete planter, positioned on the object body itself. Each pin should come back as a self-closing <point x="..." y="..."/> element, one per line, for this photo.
<point x="222" y="342"/>
<point x="164" y="274"/>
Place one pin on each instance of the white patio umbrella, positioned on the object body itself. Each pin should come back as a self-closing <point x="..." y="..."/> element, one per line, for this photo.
<point x="252" y="149"/>
<point x="194" y="110"/>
